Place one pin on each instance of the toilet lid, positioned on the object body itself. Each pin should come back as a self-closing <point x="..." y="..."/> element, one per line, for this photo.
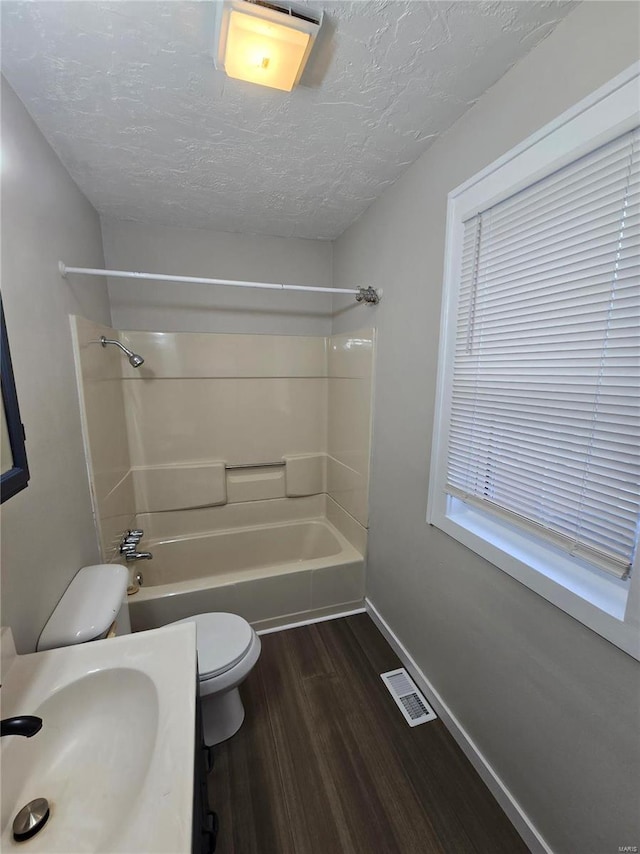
<point x="222" y="640"/>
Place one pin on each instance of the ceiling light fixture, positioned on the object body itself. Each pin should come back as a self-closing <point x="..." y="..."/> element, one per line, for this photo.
<point x="264" y="43"/>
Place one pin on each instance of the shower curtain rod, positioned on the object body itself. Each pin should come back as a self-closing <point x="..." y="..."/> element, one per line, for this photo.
<point x="366" y="295"/>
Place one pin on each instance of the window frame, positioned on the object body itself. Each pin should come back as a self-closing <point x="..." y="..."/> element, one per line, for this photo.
<point x="602" y="602"/>
<point x="16" y="478"/>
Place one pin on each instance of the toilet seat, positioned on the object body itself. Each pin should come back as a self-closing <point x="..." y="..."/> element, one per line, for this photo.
<point x="222" y="641"/>
<point x="228" y="649"/>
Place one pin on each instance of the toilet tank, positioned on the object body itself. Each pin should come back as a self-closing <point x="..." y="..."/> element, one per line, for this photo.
<point x="90" y="606"/>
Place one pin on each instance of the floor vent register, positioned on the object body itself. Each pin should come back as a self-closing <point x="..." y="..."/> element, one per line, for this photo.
<point x="407" y="697"/>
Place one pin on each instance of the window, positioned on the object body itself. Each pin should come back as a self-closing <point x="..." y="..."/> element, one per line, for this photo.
<point x="536" y="461"/>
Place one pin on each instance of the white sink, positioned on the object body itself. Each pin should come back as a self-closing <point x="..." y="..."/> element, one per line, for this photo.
<point x="114" y="757"/>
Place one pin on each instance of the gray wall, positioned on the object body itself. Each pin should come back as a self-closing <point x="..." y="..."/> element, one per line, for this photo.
<point x="170" y="307"/>
<point x="47" y="529"/>
<point x="553" y="707"/>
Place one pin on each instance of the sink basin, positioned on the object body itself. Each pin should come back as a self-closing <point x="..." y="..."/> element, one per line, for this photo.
<point x="114" y="757"/>
<point x="98" y="736"/>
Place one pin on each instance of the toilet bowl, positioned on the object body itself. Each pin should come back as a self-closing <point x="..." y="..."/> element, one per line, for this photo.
<point x="228" y="648"/>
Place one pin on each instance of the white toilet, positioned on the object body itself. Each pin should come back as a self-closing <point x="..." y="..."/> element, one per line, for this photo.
<point x="94" y="606"/>
<point x="227" y="650"/>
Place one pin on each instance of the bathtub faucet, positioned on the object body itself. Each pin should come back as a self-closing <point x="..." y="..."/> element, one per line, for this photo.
<point x="129" y="546"/>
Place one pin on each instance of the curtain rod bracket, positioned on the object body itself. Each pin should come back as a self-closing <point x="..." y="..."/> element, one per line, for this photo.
<point x="368" y="295"/>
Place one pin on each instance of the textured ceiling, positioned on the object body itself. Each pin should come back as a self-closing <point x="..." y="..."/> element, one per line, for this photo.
<point x="127" y="95"/>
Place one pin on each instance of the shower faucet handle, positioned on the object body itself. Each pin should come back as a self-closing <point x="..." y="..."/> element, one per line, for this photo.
<point x="136" y="532"/>
<point x="128" y="548"/>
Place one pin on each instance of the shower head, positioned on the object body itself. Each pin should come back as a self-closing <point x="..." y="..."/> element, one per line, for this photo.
<point x="134" y="359"/>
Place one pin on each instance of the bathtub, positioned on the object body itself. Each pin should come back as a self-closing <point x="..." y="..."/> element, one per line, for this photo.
<point x="269" y="574"/>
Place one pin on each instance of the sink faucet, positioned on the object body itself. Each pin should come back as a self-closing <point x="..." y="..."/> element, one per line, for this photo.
<point x="26" y="725"/>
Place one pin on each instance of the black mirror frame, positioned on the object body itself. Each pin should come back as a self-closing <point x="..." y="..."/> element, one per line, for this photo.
<point x="17" y="477"/>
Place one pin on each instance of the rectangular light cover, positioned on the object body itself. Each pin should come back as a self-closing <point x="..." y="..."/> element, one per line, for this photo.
<point x="255" y="46"/>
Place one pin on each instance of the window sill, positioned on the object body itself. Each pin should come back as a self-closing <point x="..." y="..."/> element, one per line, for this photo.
<point x="596" y="599"/>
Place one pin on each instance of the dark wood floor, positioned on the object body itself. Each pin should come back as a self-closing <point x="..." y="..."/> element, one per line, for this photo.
<point x="326" y="764"/>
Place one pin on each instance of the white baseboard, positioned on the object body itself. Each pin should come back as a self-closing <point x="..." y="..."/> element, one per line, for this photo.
<point x="503" y="796"/>
<point x="309" y="621"/>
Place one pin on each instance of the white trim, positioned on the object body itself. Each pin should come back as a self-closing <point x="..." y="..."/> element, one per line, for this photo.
<point x="501" y="793"/>
<point x="602" y="116"/>
<point x="628" y="76"/>
<point x="310" y="621"/>
<point x="594" y="598"/>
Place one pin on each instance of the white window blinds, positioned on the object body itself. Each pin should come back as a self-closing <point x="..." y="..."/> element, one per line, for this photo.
<point x="545" y="420"/>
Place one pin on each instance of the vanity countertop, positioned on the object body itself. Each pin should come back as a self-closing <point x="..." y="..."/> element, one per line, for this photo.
<point x="115" y="754"/>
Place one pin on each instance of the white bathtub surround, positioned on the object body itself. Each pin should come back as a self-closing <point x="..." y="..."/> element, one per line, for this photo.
<point x="305" y="474"/>
<point x="349" y="407"/>
<point x="183" y="523"/>
<point x="256" y="484"/>
<point x="349" y="527"/>
<point x="348" y="485"/>
<point x="256" y="398"/>
<point x="203" y="397"/>
<point x="205" y="484"/>
<point x="202" y="355"/>
<point x="242" y="420"/>
<point x="177" y="487"/>
<point x="104" y="432"/>
<point x="116" y="742"/>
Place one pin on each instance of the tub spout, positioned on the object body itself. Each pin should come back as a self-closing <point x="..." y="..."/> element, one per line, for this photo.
<point x="130" y="556"/>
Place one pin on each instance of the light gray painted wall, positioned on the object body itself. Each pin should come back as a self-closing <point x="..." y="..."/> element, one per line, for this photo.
<point x="47" y="529"/>
<point x="552" y="706"/>
<point x="169" y="307"/>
